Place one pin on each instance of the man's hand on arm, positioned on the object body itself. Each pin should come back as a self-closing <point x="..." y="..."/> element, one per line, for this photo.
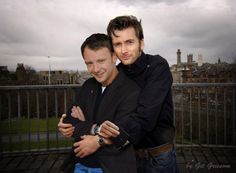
<point x="108" y="129"/>
<point x="76" y="112"/>
<point x="65" y="129"/>
<point x="119" y="137"/>
<point x="88" y="145"/>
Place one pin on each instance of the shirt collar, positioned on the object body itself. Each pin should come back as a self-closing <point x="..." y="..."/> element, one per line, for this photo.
<point x="141" y="61"/>
<point x="138" y="65"/>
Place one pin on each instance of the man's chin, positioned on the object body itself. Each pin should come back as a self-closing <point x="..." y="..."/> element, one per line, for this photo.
<point x="99" y="79"/>
<point x="126" y="62"/>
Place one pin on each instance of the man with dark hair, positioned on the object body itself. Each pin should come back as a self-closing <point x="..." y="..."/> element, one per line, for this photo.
<point x="109" y="95"/>
<point x="150" y="128"/>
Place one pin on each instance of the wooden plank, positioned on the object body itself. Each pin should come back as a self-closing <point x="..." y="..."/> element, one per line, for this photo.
<point x="199" y="156"/>
<point x="38" y="160"/>
<point x="47" y="164"/>
<point x="188" y="155"/>
<point x="56" y="166"/>
<point x="210" y="156"/>
<point x="186" y="158"/>
<point x="14" y="163"/>
<point x="221" y="157"/>
<point x="182" y="168"/>
<point x="24" y="165"/>
<point x="4" y="162"/>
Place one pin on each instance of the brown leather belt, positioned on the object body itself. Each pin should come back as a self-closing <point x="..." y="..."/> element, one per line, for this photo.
<point x="152" y="152"/>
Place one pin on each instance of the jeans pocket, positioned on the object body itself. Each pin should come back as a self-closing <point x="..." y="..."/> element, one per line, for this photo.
<point x="164" y="161"/>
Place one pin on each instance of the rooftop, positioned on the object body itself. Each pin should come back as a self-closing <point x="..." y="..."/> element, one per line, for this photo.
<point x="189" y="159"/>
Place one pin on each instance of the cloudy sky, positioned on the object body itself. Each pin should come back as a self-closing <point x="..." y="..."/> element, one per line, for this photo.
<point x="32" y="30"/>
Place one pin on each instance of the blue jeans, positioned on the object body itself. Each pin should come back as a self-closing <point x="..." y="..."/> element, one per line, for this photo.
<point x="84" y="169"/>
<point x="163" y="163"/>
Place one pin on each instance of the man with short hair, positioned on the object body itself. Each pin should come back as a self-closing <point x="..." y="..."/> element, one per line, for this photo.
<point x="151" y="127"/>
<point x="109" y="95"/>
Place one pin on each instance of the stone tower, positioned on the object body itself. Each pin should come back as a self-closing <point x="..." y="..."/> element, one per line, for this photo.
<point x="189" y="59"/>
<point x="178" y="57"/>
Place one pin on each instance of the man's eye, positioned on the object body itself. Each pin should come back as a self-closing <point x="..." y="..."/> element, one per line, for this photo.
<point x="130" y="42"/>
<point x="88" y="63"/>
<point x="101" y="61"/>
<point x="116" y="45"/>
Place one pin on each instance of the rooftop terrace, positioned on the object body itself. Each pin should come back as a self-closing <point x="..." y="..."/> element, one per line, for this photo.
<point x="30" y="142"/>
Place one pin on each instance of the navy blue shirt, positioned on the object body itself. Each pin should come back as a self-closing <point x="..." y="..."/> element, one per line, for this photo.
<point x="152" y="123"/>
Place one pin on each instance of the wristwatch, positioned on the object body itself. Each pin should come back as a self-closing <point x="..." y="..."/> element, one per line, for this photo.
<point x="96" y="129"/>
<point x="101" y="141"/>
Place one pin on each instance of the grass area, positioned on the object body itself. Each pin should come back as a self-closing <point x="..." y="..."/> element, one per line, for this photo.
<point x="33" y="125"/>
<point x="25" y="145"/>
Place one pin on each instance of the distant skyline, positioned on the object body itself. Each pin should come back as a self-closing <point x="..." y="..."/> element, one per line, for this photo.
<point x="32" y="30"/>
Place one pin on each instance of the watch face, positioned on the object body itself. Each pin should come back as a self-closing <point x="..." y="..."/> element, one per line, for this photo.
<point x="101" y="141"/>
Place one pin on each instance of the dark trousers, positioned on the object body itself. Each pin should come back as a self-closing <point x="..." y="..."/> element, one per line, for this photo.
<point x="163" y="163"/>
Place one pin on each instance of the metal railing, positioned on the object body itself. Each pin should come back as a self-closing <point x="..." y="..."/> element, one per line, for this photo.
<point x="29" y="116"/>
<point x="204" y="115"/>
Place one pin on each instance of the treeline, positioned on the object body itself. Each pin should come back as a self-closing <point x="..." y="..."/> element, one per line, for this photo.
<point x="24" y="75"/>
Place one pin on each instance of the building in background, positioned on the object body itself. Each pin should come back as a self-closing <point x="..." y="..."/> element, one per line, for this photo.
<point x="58" y="77"/>
<point x="199" y="72"/>
<point x="183" y="72"/>
<point x="26" y="75"/>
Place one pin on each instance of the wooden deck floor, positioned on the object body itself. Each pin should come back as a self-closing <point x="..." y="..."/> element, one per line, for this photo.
<point x="189" y="159"/>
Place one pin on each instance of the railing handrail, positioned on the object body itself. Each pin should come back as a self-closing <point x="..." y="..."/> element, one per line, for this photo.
<point x="64" y="86"/>
<point x="204" y="84"/>
<point x="30" y="87"/>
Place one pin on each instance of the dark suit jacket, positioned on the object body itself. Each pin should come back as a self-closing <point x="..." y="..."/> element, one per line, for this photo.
<point x="119" y="100"/>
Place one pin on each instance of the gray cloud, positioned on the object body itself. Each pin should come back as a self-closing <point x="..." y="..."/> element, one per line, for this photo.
<point x="148" y="2"/>
<point x="31" y="30"/>
<point x="194" y="30"/>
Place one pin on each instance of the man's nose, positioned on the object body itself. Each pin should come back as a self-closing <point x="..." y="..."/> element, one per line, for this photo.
<point x="96" y="68"/>
<point x="123" y="48"/>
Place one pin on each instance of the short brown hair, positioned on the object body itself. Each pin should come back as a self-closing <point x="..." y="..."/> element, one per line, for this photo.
<point x="123" y="22"/>
<point x="97" y="41"/>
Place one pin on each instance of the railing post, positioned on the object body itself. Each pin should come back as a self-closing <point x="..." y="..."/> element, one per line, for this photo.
<point x="174" y="119"/>
<point x="19" y="117"/>
<point x="207" y="122"/>
<point x="28" y="120"/>
<point x="9" y="119"/>
<point x="47" y="120"/>
<point x="225" y="118"/>
<point x="56" y="112"/>
<point x="190" y="116"/>
<point x="65" y="102"/>
<point x="182" y="115"/>
<point x="199" y="116"/>
<point x="234" y="103"/>
<point x="216" y="117"/>
<point x="38" y="117"/>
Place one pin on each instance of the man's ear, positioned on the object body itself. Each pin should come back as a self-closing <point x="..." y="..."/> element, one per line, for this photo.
<point x="114" y="58"/>
<point x="142" y="44"/>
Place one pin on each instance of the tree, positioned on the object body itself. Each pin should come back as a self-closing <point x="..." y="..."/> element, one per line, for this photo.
<point x="32" y="75"/>
<point x="26" y="75"/>
<point x="21" y="75"/>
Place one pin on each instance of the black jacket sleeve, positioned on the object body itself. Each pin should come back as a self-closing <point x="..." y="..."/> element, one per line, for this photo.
<point x="126" y="107"/>
<point x="81" y="127"/>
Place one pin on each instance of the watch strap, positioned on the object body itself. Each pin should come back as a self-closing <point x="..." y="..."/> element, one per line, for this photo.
<point x="101" y="141"/>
